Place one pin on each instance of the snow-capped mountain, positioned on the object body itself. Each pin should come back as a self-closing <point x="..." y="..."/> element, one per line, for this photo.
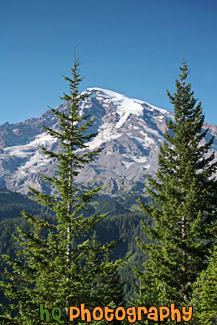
<point x="130" y="131"/>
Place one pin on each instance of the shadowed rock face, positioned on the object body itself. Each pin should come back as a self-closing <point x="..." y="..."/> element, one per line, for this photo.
<point x="130" y="131"/>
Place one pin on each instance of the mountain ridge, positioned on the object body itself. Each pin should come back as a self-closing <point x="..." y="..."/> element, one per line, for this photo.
<point x="130" y="131"/>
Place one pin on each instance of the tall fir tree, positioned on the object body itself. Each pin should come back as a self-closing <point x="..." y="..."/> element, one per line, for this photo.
<point x="56" y="263"/>
<point x="184" y="206"/>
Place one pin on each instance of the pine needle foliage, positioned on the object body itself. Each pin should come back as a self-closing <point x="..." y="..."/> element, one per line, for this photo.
<point x="184" y="207"/>
<point x="58" y="264"/>
<point x="205" y="293"/>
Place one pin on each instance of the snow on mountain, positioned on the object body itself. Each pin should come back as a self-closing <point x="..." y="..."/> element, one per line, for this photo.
<point x="130" y="131"/>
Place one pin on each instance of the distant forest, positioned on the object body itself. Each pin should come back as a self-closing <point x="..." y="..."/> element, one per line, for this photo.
<point x="123" y="221"/>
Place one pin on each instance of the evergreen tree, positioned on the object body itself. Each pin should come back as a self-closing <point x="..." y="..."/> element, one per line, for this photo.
<point x="56" y="264"/>
<point x="104" y="281"/>
<point x="184" y="207"/>
<point x="205" y="294"/>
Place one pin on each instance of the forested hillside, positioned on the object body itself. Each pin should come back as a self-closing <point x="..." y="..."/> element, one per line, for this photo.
<point x="123" y="220"/>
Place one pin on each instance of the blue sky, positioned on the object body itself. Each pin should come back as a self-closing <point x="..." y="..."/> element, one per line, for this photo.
<point x="130" y="46"/>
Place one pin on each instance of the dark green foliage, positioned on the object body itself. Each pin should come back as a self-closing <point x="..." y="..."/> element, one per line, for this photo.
<point x="184" y="207"/>
<point x="112" y="227"/>
<point x="12" y="204"/>
<point x="205" y="294"/>
<point x="56" y="261"/>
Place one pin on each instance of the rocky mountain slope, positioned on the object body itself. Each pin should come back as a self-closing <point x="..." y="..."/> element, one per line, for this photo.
<point x="130" y="131"/>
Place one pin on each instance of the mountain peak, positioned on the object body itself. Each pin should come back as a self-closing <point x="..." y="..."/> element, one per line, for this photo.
<point x="130" y="131"/>
<point x="124" y="103"/>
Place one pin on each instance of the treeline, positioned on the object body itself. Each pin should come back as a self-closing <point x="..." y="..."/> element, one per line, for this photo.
<point x="123" y="221"/>
<point x="12" y="204"/>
